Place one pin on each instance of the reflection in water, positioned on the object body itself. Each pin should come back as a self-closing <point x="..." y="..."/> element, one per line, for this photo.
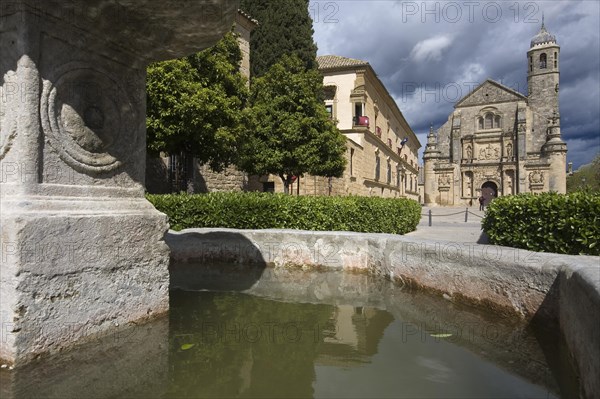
<point x="236" y="345"/>
<point x="243" y="346"/>
<point x="240" y="345"/>
<point x="129" y="362"/>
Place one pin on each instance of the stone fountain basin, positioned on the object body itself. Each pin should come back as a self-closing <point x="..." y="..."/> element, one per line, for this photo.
<point x="561" y="291"/>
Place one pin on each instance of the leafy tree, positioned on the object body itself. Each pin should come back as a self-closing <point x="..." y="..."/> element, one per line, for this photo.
<point x="289" y="131"/>
<point x="586" y="178"/>
<point x="195" y="104"/>
<point x="285" y="27"/>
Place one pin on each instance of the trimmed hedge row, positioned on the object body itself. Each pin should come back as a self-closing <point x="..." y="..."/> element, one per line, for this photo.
<point x="548" y="222"/>
<point x="278" y="211"/>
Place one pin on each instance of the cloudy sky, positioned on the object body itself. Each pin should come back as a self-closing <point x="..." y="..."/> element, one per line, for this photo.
<point x="430" y="54"/>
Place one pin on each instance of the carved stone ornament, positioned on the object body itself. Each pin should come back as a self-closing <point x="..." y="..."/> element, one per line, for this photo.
<point x="536" y="177"/>
<point x="8" y="122"/>
<point x="489" y="152"/>
<point x="88" y="119"/>
<point x="8" y="127"/>
<point x="444" y="180"/>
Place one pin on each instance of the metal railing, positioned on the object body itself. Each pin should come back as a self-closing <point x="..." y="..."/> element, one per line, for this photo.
<point x="466" y="212"/>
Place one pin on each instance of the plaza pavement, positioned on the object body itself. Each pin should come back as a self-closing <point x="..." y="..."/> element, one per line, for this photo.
<point x="448" y="224"/>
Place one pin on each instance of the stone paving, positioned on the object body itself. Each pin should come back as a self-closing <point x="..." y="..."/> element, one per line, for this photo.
<point x="448" y="224"/>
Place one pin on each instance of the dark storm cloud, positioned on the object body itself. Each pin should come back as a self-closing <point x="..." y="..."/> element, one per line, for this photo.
<point x="429" y="54"/>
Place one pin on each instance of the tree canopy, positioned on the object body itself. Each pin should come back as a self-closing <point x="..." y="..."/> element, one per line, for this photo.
<point x="289" y="131"/>
<point x="285" y="27"/>
<point x="586" y="178"/>
<point x="195" y="104"/>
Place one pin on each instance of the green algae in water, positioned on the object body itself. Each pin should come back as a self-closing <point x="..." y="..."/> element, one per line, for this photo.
<point x="246" y="346"/>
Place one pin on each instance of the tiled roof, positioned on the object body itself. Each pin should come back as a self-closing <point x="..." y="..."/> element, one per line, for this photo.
<point x="336" y="61"/>
<point x="247" y="16"/>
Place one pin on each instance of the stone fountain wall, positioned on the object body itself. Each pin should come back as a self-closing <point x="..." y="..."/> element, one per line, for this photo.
<point x="82" y="250"/>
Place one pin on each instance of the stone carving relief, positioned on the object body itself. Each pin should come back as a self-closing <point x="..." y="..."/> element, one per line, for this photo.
<point x="483" y="175"/>
<point x="88" y="119"/>
<point x="489" y="152"/>
<point x="444" y="180"/>
<point x="8" y="125"/>
<point x="469" y="152"/>
<point x="509" y="150"/>
<point x="536" y="177"/>
<point x="8" y="91"/>
<point x="509" y="183"/>
<point x="468" y="185"/>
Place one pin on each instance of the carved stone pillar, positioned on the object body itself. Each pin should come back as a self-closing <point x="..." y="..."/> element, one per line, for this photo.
<point x="82" y="249"/>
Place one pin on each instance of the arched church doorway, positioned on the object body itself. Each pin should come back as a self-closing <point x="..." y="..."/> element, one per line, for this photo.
<point x="489" y="190"/>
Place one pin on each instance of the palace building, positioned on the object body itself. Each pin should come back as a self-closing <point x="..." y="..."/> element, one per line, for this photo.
<point x="498" y="141"/>
<point x="381" y="148"/>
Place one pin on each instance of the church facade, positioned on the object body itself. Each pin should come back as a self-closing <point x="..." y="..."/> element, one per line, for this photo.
<point x="498" y="141"/>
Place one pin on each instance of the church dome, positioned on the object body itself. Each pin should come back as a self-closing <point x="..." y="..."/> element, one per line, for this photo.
<point x="543" y="37"/>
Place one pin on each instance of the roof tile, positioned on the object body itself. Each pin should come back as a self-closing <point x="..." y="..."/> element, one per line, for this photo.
<point x="336" y="61"/>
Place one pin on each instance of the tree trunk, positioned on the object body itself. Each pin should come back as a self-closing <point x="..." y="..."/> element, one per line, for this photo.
<point x="286" y="184"/>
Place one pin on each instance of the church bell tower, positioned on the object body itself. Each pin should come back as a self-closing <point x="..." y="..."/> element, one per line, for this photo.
<point x="543" y="70"/>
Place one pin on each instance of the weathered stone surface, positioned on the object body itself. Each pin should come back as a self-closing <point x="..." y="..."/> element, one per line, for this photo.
<point x="580" y="322"/>
<point x="82" y="250"/>
<point x="510" y="279"/>
<point x="150" y="30"/>
<point x="68" y="276"/>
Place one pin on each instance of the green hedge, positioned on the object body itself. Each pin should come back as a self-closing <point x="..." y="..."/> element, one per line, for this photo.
<point x="267" y="211"/>
<point x="549" y="222"/>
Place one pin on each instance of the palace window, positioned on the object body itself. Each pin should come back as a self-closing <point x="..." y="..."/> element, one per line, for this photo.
<point x="555" y="59"/>
<point x="359" y="118"/>
<point x="329" y="93"/>
<point x="329" y="108"/>
<point x="377" y="167"/>
<point x="389" y="173"/>
<point x="358" y="109"/>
